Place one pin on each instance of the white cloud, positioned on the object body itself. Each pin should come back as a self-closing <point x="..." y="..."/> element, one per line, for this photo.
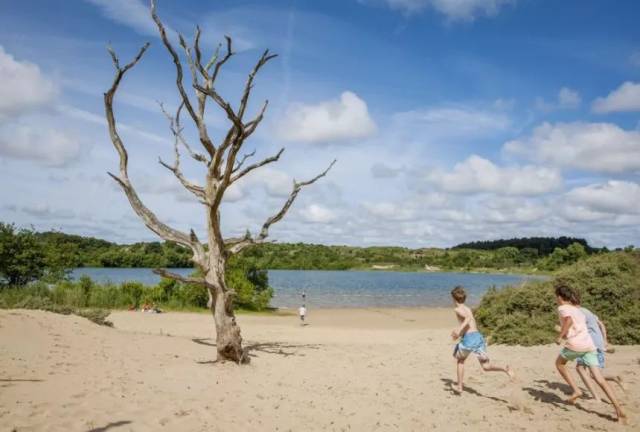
<point x="624" y="98"/>
<point x="454" y="10"/>
<point x="600" y="147"/>
<point x="90" y="117"/>
<point x="512" y="210"/>
<point x="450" y="122"/>
<point x="42" y="144"/>
<point x="610" y="197"/>
<point x="390" y="211"/>
<point x="566" y="99"/>
<point x="23" y="88"/>
<point x="131" y="13"/>
<point x="345" y="119"/>
<point x="316" y="213"/>
<point x="477" y="174"/>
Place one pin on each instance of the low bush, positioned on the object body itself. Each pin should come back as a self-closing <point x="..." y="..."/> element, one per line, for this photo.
<point x="609" y="285"/>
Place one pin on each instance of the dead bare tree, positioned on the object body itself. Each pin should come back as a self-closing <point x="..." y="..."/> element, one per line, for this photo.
<point x="223" y="168"/>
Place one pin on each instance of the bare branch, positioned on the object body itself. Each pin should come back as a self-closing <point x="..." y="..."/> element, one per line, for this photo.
<point x="250" y="168"/>
<point x="236" y="247"/>
<point x="197" y="119"/>
<point x="249" y="85"/>
<point x="148" y="217"/>
<point x="220" y="63"/>
<point x="226" y="106"/>
<point x="253" y="124"/>
<point x="185" y="279"/>
<point x="243" y="160"/>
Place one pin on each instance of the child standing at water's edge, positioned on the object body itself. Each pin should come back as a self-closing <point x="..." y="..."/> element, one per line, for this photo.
<point x="578" y="345"/>
<point x="471" y="340"/>
<point x="302" y="311"/>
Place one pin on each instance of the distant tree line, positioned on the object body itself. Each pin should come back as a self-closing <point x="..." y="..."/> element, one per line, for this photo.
<point x="543" y="245"/>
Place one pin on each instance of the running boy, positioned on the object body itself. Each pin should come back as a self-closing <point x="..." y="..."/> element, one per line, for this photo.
<point x="578" y="345"/>
<point x="472" y="340"/>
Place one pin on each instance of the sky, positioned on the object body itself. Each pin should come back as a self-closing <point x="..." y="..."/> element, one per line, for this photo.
<point x="451" y="120"/>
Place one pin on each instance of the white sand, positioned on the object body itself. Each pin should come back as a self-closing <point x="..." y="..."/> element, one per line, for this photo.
<point x="352" y="370"/>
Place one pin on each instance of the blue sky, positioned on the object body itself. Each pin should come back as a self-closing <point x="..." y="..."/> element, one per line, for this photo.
<point x="452" y="120"/>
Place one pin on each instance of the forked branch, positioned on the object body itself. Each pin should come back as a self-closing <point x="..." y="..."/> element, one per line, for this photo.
<point x="235" y="245"/>
<point x="148" y="217"/>
<point x="176" y="129"/>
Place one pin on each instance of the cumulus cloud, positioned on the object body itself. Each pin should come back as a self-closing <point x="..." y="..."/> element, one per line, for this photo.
<point x="566" y="99"/>
<point x="22" y="86"/>
<point x="316" y="213"/>
<point x="344" y="119"/>
<point x="454" y="10"/>
<point x="610" y="197"/>
<point x="600" y="147"/>
<point x="42" y="144"/>
<point x="624" y="98"/>
<point x="476" y="174"/>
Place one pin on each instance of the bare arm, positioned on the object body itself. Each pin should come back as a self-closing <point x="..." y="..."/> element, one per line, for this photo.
<point x="564" y="329"/>
<point x="603" y="329"/>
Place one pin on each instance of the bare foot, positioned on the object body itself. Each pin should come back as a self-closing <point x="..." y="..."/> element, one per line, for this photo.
<point x="574" y="397"/>
<point x="623" y="420"/>
<point x="512" y="375"/>
<point x="456" y="389"/>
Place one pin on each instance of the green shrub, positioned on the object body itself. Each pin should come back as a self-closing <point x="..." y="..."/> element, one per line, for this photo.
<point x="609" y="285"/>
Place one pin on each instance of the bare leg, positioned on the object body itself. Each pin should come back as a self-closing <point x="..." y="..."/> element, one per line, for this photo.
<point x="597" y="375"/>
<point x="618" y="380"/>
<point x="582" y="371"/>
<point x="561" y="365"/>
<point x="460" y="371"/>
<point x="488" y="367"/>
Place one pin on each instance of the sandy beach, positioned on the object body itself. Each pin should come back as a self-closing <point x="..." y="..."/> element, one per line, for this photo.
<point x="348" y="370"/>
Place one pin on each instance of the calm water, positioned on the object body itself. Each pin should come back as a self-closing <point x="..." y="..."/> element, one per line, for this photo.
<point x="344" y="288"/>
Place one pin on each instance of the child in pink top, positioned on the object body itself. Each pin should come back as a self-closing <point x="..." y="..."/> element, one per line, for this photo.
<point x="578" y="345"/>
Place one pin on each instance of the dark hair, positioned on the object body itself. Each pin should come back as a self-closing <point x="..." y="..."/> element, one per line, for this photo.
<point x="567" y="293"/>
<point x="459" y="294"/>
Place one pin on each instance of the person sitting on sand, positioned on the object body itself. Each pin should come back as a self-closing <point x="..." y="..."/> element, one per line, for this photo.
<point x="578" y="345"/>
<point x="598" y="332"/>
<point x="302" y="311"/>
<point x="471" y="342"/>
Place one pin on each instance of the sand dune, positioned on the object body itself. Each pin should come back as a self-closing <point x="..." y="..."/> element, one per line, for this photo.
<point x="351" y="370"/>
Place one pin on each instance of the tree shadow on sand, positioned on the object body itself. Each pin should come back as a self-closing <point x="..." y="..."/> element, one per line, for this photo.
<point x="110" y="426"/>
<point x="551" y="398"/>
<point x="278" y="348"/>
<point x="449" y="383"/>
<point x="20" y="380"/>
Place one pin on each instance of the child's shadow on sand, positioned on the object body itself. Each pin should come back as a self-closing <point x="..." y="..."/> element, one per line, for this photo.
<point x="449" y="383"/>
<point x="552" y="398"/>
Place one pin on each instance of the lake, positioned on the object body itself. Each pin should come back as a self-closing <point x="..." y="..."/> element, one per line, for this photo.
<point x="328" y="289"/>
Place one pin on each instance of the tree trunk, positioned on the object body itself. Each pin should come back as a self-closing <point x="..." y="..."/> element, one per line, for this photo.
<point x="228" y="338"/>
